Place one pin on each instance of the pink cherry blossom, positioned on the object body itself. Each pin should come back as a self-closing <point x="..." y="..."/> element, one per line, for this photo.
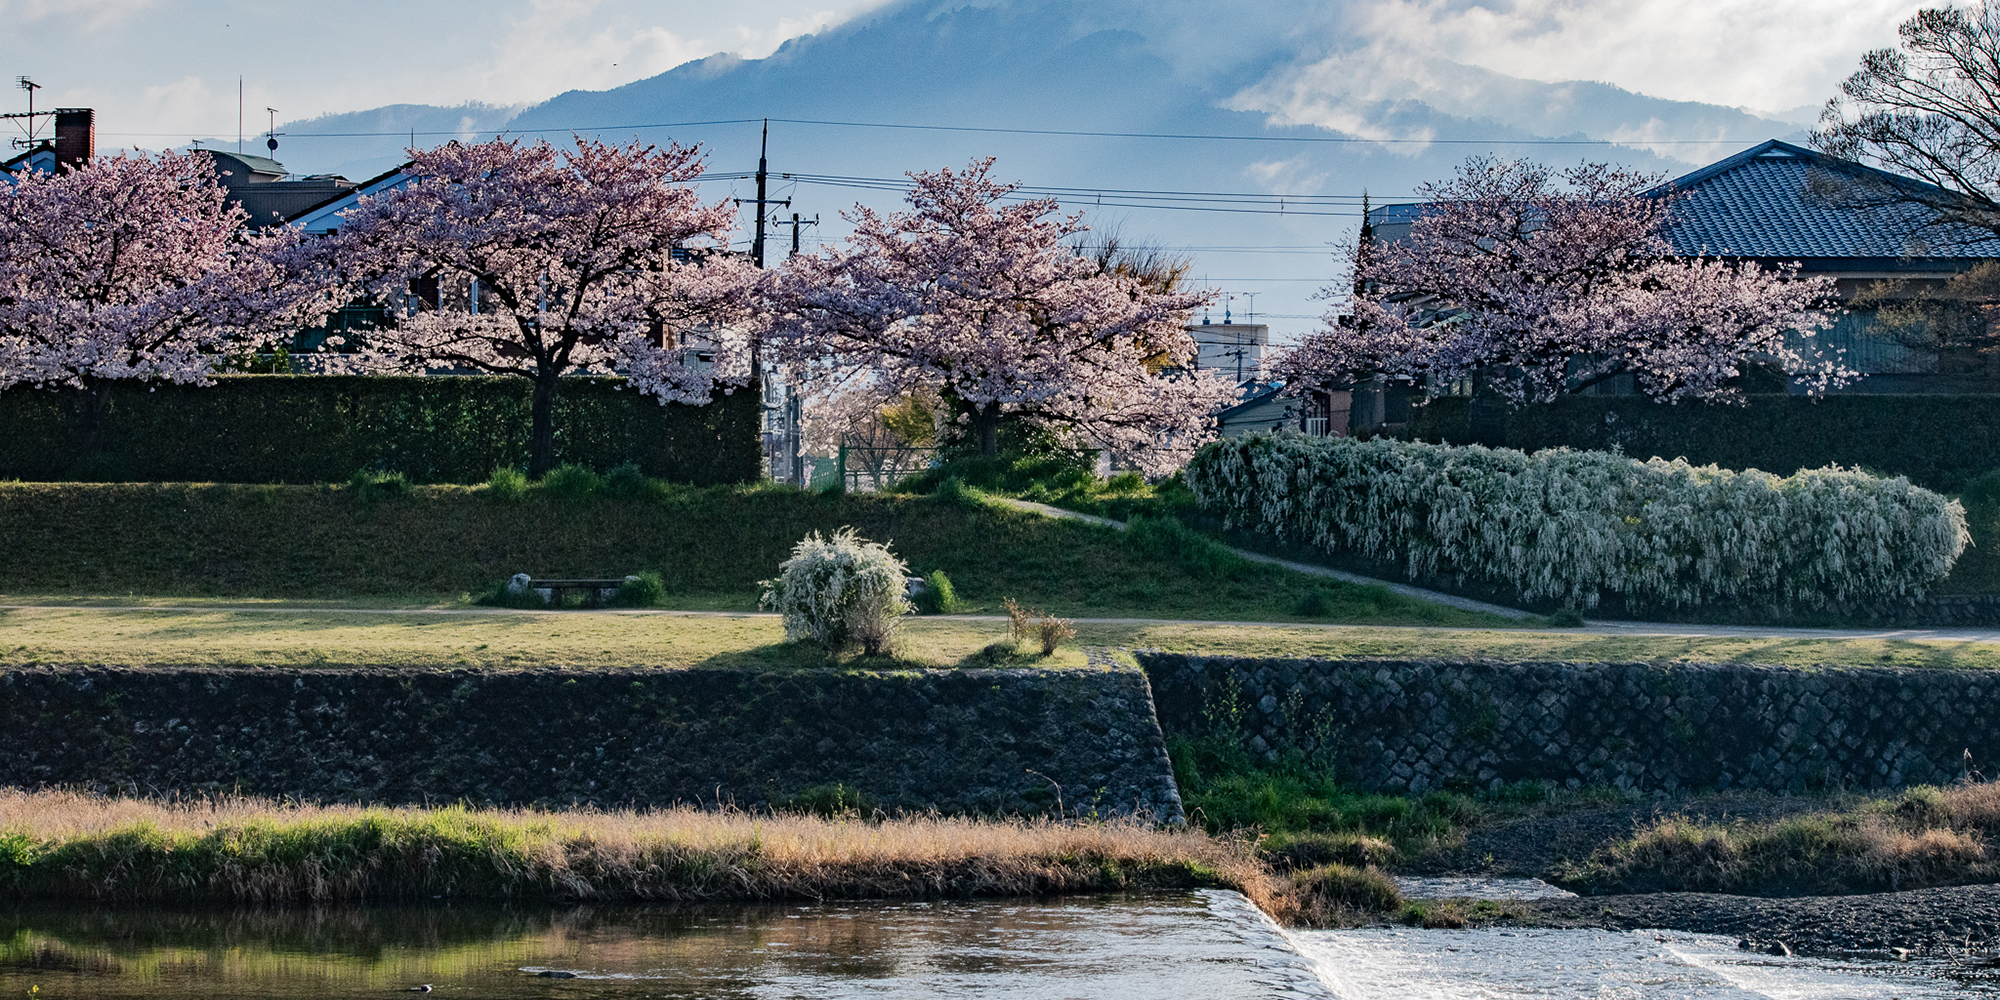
<point x="135" y="268"/>
<point x="973" y="296"/>
<point x="1537" y="288"/>
<point x="547" y="263"/>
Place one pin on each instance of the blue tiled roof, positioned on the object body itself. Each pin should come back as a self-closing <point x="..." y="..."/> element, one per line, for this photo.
<point x="1761" y="203"/>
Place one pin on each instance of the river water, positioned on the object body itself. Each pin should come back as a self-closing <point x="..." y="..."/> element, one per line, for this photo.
<point x="1208" y="945"/>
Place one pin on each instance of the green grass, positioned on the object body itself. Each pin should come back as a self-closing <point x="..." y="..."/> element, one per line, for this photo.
<point x="709" y="546"/>
<point x="487" y="640"/>
<point x="216" y="631"/>
<point x="66" y="846"/>
<point x="1917" y="838"/>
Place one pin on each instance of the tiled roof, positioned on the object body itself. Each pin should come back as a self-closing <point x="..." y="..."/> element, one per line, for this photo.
<point x="1762" y="202"/>
<point x="1769" y="201"/>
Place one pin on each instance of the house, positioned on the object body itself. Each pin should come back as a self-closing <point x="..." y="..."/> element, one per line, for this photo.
<point x="1778" y="203"/>
<point x="269" y="193"/>
<point x="75" y="143"/>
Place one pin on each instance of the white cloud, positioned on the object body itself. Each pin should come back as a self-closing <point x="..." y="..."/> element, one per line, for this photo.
<point x="552" y="47"/>
<point x="1755" y="53"/>
<point x="756" y="42"/>
<point x="89" y="14"/>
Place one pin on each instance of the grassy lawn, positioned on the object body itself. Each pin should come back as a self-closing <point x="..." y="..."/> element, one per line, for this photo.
<point x="303" y="634"/>
<point x="1520" y="644"/>
<point x="497" y="639"/>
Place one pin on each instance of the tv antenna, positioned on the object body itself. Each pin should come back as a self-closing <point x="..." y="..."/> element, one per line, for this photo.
<point x="28" y="118"/>
<point x="271" y="134"/>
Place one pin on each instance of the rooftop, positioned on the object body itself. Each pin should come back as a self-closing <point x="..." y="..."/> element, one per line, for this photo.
<point x="1781" y="201"/>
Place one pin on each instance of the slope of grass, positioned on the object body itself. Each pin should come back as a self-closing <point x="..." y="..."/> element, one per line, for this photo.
<point x="710" y="547"/>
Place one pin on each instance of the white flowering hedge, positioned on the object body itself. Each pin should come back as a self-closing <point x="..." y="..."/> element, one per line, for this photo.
<point x="1568" y="527"/>
<point x="839" y="589"/>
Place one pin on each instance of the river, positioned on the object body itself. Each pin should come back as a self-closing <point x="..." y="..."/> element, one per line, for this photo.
<point x="1209" y="945"/>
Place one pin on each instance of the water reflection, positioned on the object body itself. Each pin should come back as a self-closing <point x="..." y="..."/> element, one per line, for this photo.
<point x="1208" y="944"/>
<point x="1570" y="965"/>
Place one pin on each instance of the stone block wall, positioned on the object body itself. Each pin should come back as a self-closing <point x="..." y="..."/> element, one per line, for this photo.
<point x="979" y="741"/>
<point x="1409" y="726"/>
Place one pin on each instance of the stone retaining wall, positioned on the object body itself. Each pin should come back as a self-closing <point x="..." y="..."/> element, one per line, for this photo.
<point x="951" y="740"/>
<point x="1409" y="726"/>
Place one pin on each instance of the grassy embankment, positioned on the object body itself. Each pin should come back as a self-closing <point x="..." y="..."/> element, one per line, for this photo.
<point x="65" y="846"/>
<point x="426" y="545"/>
<point x="220" y="633"/>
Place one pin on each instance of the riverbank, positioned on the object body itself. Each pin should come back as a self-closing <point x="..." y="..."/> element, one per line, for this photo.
<point x="1944" y="921"/>
<point x="67" y="846"/>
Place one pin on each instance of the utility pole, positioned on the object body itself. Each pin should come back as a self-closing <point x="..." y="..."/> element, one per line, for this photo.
<point x="28" y="119"/>
<point x="763" y="179"/>
<point x="795" y="471"/>
<point x="814" y="221"/>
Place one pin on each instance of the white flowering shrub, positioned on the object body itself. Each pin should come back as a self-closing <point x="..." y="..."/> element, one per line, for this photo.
<point x="1571" y="526"/>
<point x="841" y="589"/>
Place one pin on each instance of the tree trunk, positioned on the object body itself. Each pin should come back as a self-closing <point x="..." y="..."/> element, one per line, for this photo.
<point x="986" y="423"/>
<point x="542" y="444"/>
<point x="95" y="398"/>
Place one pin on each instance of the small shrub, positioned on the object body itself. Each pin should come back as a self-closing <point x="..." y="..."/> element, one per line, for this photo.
<point x="641" y="590"/>
<point x="954" y="490"/>
<point x="1330" y="894"/>
<point x="1125" y="482"/>
<point x="371" y="485"/>
<point x="1020" y="624"/>
<point x="571" y="482"/>
<point x="837" y="590"/>
<point x="828" y="801"/>
<point x="1053" y="632"/>
<point x="1315" y="602"/>
<point x="626" y="482"/>
<point x="1311" y="850"/>
<point x="1566" y="618"/>
<point x="1047" y="630"/>
<point x="939" y="597"/>
<point x="507" y="484"/>
<point x="1432" y="915"/>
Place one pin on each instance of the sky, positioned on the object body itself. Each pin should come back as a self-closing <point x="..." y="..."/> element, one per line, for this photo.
<point x="162" y="72"/>
<point x="159" y="71"/>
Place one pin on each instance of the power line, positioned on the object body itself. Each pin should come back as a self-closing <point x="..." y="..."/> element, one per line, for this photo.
<point x="1248" y="138"/>
<point x="994" y="130"/>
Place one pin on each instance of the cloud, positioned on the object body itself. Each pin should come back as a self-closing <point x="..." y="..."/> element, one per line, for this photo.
<point x="1754" y="53"/>
<point x="89" y="14"/>
<point x="551" y="48"/>
<point x="756" y="42"/>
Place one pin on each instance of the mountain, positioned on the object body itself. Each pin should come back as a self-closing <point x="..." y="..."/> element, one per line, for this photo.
<point x="1291" y="73"/>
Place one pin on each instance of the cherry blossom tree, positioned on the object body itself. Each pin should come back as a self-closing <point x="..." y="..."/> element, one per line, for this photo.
<point x="526" y="260"/>
<point x="978" y="301"/>
<point x="1540" y="284"/>
<point x="136" y="268"/>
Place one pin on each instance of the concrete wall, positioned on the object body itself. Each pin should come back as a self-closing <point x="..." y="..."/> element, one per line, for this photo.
<point x="1409" y="726"/>
<point x="952" y="740"/>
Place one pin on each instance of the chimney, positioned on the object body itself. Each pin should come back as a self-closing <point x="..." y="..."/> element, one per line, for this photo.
<point x="76" y="136"/>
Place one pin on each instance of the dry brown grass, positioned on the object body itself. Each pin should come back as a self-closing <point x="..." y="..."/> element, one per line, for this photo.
<point x="67" y="845"/>
<point x="1921" y="837"/>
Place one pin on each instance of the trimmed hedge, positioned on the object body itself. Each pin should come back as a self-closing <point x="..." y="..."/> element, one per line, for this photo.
<point x="1573" y="527"/>
<point x="1938" y="441"/>
<point x="324" y="428"/>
